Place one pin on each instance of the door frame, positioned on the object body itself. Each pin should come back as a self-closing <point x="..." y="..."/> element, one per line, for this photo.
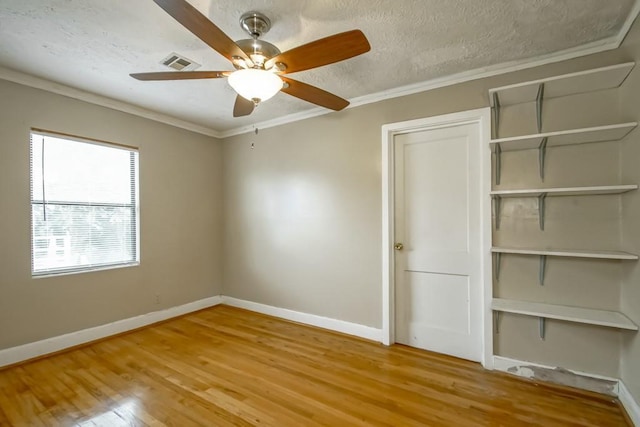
<point x="482" y="117"/>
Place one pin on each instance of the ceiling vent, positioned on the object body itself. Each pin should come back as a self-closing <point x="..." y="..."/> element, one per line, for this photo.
<point x="179" y="62"/>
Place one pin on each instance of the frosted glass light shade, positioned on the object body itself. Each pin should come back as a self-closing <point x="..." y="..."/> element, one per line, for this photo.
<point x="255" y="85"/>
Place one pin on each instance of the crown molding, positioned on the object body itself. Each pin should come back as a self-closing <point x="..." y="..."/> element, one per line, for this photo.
<point x="610" y="43"/>
<point x="295" y="117"/>
<point x="450" y="80"/>
<point x="103" y="101"/>
<point x="595" y="47"/>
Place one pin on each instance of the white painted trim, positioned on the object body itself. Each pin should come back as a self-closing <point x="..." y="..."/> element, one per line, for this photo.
<point x="485" y="72"/>
<point x="51" y="345"/>
<point x="24" y="352"/>
<point x="278" y="121"/>
<point x="512" y="366"/>
<point x="486" y="236"/>
<point x="507" y="67"/>
<point x="482" y="116"/>
<point x="427" y="85"/>
<point x="630" y="404"/>
<point x="355" y="329"/>
<point x="610" y="43"/>
<point x="103" y="101"/>
<point x="388" y="233"/>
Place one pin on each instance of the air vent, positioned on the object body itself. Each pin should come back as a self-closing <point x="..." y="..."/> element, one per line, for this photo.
<point x="179" y="62"/>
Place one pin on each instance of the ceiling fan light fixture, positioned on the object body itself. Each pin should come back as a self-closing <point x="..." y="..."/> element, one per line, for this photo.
<point x="254" y="84"/>
<point x="259" y="63"/>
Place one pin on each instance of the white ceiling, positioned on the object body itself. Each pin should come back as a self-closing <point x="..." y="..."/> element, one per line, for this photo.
<point x="93" y="45"/>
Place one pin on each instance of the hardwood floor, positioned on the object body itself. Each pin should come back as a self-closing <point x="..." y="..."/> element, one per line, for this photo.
<point x="229" y="367"/>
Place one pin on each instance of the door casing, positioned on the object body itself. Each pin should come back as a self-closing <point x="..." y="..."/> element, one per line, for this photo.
<point x="482" y="117"/>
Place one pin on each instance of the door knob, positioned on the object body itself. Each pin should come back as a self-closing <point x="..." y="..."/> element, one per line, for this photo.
<point x="398" y="246"/>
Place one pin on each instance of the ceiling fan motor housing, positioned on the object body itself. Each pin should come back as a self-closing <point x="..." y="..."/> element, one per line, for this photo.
<point x="260" y="64"/>
<point x="258" y="50"/>
<point x="256" y="24"/>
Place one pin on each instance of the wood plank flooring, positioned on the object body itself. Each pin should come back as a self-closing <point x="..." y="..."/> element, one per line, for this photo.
<point x="229" y="367"/>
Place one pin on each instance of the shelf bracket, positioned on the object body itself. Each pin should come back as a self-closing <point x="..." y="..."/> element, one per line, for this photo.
<point x="497" y="203"/>
<point x="496" y="114"/>
<point x="498" y="153"/>
<point x="496" y="321"/>
<point x="541" y="209"/>
<point x="539" y="98"/>
<point x="543" y="268"/>
<point x="541" y="327"/>
<point x="497" y="266"/>
<point x="542" y="153"/>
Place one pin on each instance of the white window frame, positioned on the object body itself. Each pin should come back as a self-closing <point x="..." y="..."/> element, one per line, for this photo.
<point x="135" y="205"/>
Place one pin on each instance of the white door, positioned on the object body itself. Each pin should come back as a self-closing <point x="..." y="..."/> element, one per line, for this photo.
<point x="438" y="292"/>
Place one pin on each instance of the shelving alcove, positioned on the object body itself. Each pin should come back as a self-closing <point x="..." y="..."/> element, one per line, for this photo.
<point x="538" y="91"/>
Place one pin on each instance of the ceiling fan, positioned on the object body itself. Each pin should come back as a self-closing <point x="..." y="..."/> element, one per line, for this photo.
<point x="260" y="66"/>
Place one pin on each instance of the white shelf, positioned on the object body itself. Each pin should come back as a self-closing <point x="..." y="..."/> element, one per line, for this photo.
<point x="566" y="137"/>
<point x="612" y="319"/>
<point x="566" y="253"/>
<point x="567" y="84"/>
<point x="568" y="191"/>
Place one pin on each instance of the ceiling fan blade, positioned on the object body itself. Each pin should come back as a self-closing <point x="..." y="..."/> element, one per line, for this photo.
<point x="180" y="75"/>
<point x="202" y="27"/>
<point x="322" y="52"/>
<point x="313" y="94"/>
<point x="242" y="107"/>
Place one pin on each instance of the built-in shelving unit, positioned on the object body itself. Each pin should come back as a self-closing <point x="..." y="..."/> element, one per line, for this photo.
<point x="542" y="311"/>
<point x="543" y="193"/>
<point x="538" y="91"/>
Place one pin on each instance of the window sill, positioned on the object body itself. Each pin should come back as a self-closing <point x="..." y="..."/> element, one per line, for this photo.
<point x="83" y="270"/>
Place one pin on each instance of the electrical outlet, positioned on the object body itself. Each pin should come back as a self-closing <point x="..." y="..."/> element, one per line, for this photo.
<point x="157" y="299"/>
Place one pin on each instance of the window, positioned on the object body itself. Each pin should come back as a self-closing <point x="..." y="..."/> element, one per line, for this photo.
<point x="84" y="204"/>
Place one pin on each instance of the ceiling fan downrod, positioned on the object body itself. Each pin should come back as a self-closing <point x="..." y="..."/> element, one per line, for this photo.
<point x="255" y="23"/>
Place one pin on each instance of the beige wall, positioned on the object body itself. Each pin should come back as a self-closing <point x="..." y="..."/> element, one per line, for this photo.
<point x="303" y="216"/>
<point x="630" y="159"/>
<point x="302" y="223"/>
<point x="180" y="196"/>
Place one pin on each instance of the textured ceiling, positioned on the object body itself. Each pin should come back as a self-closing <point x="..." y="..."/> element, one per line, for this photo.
<point x="93" y="45"/>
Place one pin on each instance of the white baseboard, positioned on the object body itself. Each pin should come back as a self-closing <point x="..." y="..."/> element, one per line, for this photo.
<point x="630" y="404"/>
<point x="583" y="380"/>
<point x="32" y="350"/>
<point x="342" y="326"/>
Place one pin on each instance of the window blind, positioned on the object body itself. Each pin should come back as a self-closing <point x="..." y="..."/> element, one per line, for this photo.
<point x="84" y="205"/>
